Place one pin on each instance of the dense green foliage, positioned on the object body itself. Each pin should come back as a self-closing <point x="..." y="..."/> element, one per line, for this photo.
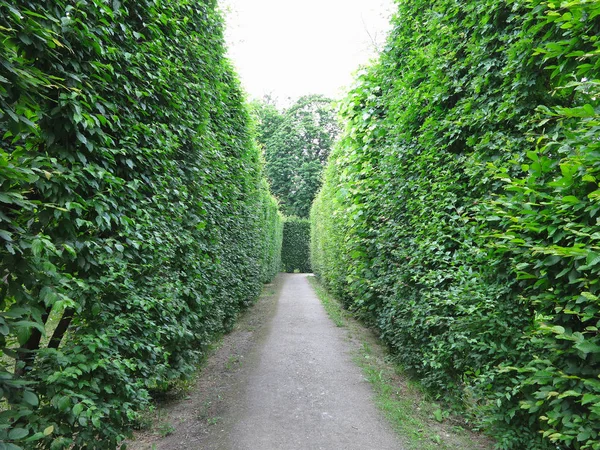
<point x="135" y="219"/>
<point x="295" y="250"/>
<point x="296" y="144"/>
<point x="460" y="211"/>
<point x="271" y="225"/>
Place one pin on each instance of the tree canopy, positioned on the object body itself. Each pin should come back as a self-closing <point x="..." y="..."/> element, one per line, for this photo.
<point x="296" y="144"/>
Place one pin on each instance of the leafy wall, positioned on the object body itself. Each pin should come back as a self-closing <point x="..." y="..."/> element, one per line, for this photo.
<point x="272" y="222"/>
<point x="295" y="250"/>
<point x="135" y="219"/>
<point x="459" y="212"/>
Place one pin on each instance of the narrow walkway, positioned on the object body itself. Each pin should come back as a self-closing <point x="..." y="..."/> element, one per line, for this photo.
<point x="305" y="392"/>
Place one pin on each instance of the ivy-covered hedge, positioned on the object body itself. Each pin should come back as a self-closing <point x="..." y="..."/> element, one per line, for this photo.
<point x="135" y="219"/>
<point x="295" y="251"/>
<point x="460" y="211"/>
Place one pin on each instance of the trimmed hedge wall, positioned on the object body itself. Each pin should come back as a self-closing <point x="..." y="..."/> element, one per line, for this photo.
<point x="295" y="251"/>
<point x="272" y="238"/>
<point x="459" y="213"/>
<point x="135" y="219"/>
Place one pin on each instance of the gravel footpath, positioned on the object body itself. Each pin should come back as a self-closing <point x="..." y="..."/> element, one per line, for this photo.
<point x="306" y="393"/>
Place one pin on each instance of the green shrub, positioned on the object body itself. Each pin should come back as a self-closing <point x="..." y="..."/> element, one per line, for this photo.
<point x="295" y="251"/>
<point x="135" y="218"/>
<point x="459" y="215"/>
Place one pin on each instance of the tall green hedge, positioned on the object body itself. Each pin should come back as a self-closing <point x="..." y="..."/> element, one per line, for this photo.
<point x="272" y="238"/>
<point x="459" y="212"/>
<point x="295" y="250"/>
<point x="135" y="218"/>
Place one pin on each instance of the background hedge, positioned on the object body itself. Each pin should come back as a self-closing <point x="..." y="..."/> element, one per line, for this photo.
<point x="459" y="212"/>
<point x="295" y="251"/>
<point x="135" y="219"/>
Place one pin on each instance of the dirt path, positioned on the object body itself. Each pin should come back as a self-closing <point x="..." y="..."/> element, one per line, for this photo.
<point x="288" y="383"/>
<point x="306" y="393"/>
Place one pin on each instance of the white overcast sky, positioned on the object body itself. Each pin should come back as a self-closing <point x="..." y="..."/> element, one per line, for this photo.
<point x="290" y="48"/>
